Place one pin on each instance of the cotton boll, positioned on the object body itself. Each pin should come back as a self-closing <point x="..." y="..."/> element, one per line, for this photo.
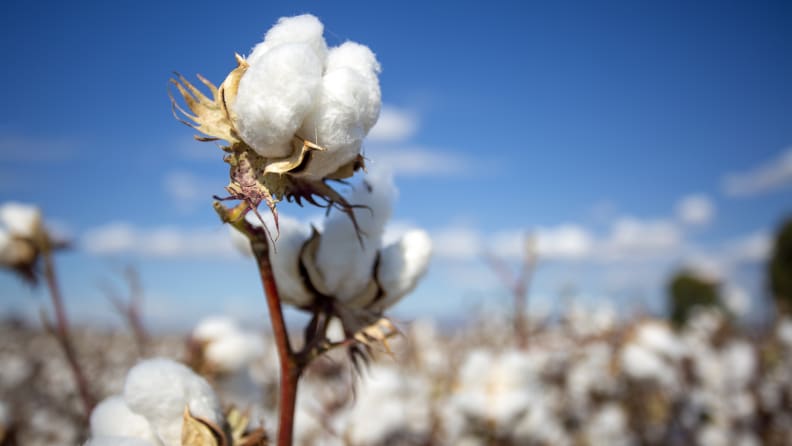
<point x="609" y="426"/>
<point x="274" y="96"/>
<point x="347" y="107"/>
<point x="14" y="251"/>
<point x="160" y="389"/>
<point x="21" y="220"/>
<point x="285" y="260"/>
<point x="784" y="332"/>
<point x="402" y="264"/>
<point x="306" y="29"/>
<point x="235" y="351"/>
<point x="112" y="417"/>
<point x="345" y="265"/>
<point x="740" y="364"/>
<point x="214" y="328"/>
<point x="659" y="338"/>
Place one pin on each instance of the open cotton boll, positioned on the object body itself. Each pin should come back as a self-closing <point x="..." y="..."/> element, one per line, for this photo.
<point x="285" y="260"/>
<point x="112" y="418"/>
<point x="284" y="256"/>
<point x="213" y="328"/>
<point x="235" y="351"/>
<point x="402" y="264"/>
<point x="348" y="105"/>
<point x="306" y="29"/>
<point x="21" y="220"/>
<point x="159" y="389"/>
<point x="274" y="96"/>
<point x="345" y="265"/>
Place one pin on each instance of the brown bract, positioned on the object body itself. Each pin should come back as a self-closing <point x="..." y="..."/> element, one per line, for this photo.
<point x="254" y="178"/>
<point x="197" y="431"/>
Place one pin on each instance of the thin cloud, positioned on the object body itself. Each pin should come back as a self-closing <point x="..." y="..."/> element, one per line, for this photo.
<point x="765" y="178"/>
<point x="419" y="161"/>
<point x="188" y="190"/>
<point x="167" y="242"/>
<point x="394" y="125"/>
<point x="32" y="149"/>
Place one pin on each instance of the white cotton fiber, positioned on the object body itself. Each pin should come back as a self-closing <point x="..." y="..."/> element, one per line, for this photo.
<point x="119" y="441"/>
<point x="305" y="29"/>
<point x="345" y="265"/>
<point x="285" y="259"/>
<point x="159" y="389"/>
<point x="19" y="219"/>
<point x="402" y="264"/>
<point x="274" y="96"/>
<point x="348" y="105"/>
<point x="112" y="418"/>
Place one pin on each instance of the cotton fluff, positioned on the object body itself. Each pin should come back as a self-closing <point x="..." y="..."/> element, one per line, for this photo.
<point x="214" y="327"/>
<point x="119" y="441"/>
<point x="402" y="264"/>
<point x="159" y="389"/>
<point x="284" y="258"/>
<point x="20" y="220"/>
<point x="348" y="106"/>
<point x="228" y="347"/>
<point x="345" y="265"/>
<point x="400" y="401"/>
<point x="281" y="85"/>
<point x="112" y="418"/>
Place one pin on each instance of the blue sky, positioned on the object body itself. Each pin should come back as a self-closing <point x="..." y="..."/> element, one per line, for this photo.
<point x="630" y="138"/>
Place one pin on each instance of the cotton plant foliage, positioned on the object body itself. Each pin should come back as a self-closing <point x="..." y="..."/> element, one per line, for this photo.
<point x="345" y="268"/>
<point x="293" y="114"/>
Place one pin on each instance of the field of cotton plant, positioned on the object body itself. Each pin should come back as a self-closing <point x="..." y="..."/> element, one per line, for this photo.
<point x="289" y="120"/>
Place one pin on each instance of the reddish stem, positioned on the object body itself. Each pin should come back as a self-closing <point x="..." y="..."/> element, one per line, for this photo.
<point x="63" y="335"/>
<point x="291" y="369"/>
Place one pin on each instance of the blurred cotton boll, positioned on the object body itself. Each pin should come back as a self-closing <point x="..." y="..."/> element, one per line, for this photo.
<point x="21" y="220"/>
<point x="113" y="418"/>
<point x="160" y="389"/>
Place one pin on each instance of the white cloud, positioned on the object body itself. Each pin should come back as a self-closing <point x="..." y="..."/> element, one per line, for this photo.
<point x="456" y="243"/>
<point x="770" y="176"/>
<point x="640" y="239"/>
<point x="695" y="209"/>
<point x="394" y="125"/>
<point x="161" y="242"/>
<point x="748" y="249"/>
<point x="417" y="161"/>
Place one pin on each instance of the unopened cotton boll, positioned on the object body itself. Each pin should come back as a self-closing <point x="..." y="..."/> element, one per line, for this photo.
<point x="20" y="220"/>
<point x="402" y="264"/>
<point x="112" y="418"/>
<point x="160" y="389"/>
<point x="345" y="265"/>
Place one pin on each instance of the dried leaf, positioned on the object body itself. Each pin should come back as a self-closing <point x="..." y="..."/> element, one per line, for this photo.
<point x="238" y="423"/>
<point x="200" y="432"/>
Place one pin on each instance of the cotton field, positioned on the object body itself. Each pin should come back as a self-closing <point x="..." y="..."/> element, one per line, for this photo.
<point x="622" y="383"/>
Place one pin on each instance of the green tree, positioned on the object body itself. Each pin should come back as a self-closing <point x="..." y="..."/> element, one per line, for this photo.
<point x="780" y="267"/>
<point x="687" y="291"/>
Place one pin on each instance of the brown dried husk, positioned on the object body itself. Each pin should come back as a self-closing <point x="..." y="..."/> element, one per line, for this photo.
<point x="253" y="178"/>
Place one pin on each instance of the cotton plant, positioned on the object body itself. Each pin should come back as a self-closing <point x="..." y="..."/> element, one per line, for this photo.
<point x="293" y="115"/>
<point x="165" y="403"/>
<point x="27" y="248"/>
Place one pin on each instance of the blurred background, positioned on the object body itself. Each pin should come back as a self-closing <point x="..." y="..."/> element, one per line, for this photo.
<point x="630" y="140"/>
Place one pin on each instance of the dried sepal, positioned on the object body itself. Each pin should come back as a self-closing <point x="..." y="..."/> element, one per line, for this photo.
<point x="240" y="434"/>
<point x="197" y="431"/>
